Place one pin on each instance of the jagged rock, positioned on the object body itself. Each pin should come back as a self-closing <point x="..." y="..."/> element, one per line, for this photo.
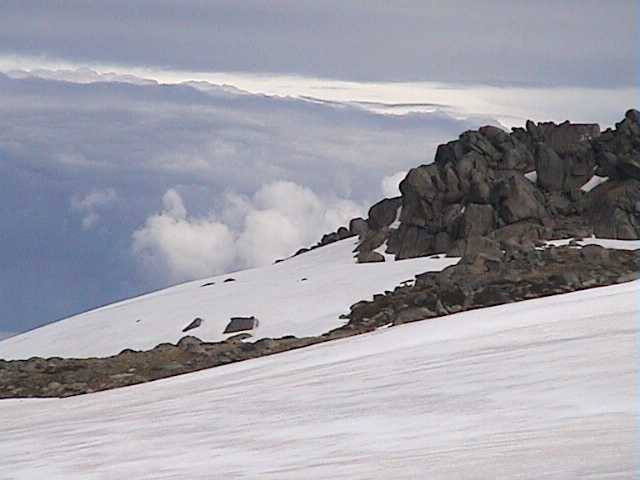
<point x="480" y="188"/>
<point x="615" y="209"/>
<point x="550" y="168"/>
<point x="373" y="240"/>
<point x="495" y="135"/>
<point x="569" y="137"/>
<point x="413" y="242"/>
<point x="618" y="151"/>
<point x="384" y="213"/>
<point x="477" y="220"/>
<point x="358" y="226"/>
<point x="517" y="199"/>
<point x="418" y="192"/>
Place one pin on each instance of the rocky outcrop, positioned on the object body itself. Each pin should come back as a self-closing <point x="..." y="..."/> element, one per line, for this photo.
<point x="514" y="187"/>
<point x="486" y="277"/>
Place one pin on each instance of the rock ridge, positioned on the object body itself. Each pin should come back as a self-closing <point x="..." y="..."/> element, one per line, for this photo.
<point x="543" y="181"/>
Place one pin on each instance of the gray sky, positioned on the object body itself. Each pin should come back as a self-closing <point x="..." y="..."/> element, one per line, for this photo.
<point x="114" y="185"/>
<point x="547" y="42"/>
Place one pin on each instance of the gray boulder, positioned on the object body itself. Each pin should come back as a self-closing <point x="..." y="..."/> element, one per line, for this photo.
<point x="477" y="220"/>
<point x="518" y="199"/>
<point x="370" y="257"/>
<point x="358" y="226"/>
<point x="384" y="213"/>
<point x="195" y="323"/>
<point x="240" y="324"/>
<point x="615" y="209"/>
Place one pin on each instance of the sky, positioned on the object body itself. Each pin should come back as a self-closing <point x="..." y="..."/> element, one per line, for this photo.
<point x="145" y="143"/>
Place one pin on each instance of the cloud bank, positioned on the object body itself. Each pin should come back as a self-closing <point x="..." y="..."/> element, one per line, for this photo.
<point x="277" y="220"/>
<point x="573" y="42"/>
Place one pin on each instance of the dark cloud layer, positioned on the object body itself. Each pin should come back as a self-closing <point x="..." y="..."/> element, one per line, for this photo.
<point x="573" y="42"/>
<point x="83" y="167"/>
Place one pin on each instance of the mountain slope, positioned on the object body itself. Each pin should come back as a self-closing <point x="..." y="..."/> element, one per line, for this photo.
<point x="538" y="389"/>
<point x="284" y="303"/>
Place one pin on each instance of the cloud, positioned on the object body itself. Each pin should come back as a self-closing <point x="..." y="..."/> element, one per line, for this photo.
<point x="277" y="220"/>
<point x="391" y="184"/>
<point x="284" y="217"/>
<point x="179" y="247"/>
<point x="90" y="204"/>
<point x="573" y="42"/>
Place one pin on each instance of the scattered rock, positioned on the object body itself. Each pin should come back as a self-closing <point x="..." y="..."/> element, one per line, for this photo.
<point x="195" y="323"/>
<point x="239" y="324"/>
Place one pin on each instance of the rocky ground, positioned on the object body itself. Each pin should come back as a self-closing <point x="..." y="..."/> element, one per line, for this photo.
<point x="484" y="277"/>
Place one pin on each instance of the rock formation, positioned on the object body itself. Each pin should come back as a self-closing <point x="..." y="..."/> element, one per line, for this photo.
<point x="540" y="182"/>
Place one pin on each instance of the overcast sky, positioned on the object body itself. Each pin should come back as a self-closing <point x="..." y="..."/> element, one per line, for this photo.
<point x="112" y="184"/>
<point x="548" y="42"/>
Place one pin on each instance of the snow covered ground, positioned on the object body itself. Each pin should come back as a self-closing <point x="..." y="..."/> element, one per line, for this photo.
<point x="546" y="388"/>
<point x="301" y="296"/>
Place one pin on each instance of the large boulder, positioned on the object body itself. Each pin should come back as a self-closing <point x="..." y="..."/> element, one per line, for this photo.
<point x="618" y="151"/>
<point x="384" y="213"/>
<point x="410" y="241"/>
<point x="564" y="156"/>
<point x="477" y="220"/>
<point x="550" y="168"/>
<point x="359" y="226"/>
<point x="241" y="324"/>
<point x="615" y="209"/>
<point x="518" y="199"/>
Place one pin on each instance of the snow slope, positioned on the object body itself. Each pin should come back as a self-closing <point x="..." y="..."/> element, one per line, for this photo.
<point x="545" y="388"/>
<point x="284" y="303"/>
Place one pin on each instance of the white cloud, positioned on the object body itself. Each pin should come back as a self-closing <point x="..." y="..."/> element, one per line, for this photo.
<point x="284" y="217"/>
<point x="89" y="205"/>
<point x="179" y="247"/>
<point x="280" y="218"/>
<point x="391" y="184"/>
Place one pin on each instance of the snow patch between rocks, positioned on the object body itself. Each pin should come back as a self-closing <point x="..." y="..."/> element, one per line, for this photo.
<point x="593" y="183"/>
